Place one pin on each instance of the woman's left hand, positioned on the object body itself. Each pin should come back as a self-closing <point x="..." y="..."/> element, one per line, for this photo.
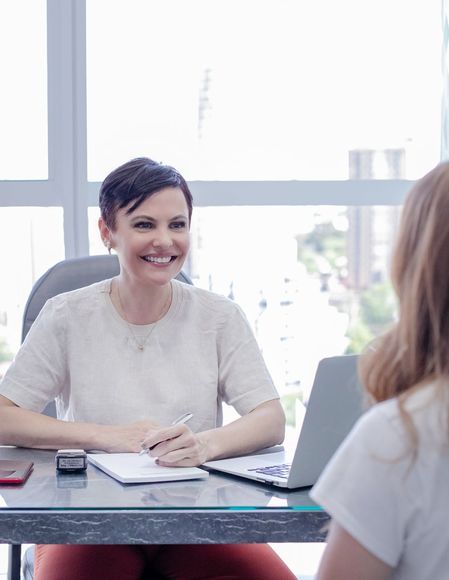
<point x="176" y="446"/>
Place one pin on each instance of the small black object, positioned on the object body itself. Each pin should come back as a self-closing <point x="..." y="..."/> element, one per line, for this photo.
<point x="71" y="460"/>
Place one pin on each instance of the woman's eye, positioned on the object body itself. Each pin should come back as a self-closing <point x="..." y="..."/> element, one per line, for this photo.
<point x="143" y="225"/>
<point x="178" y="225"/>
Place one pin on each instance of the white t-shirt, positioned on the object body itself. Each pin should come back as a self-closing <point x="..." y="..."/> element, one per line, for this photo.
<point x="81" y="352"/>
<point x="397" y="508"/>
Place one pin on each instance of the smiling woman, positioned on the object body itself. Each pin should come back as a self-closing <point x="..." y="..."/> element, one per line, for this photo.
<point x="95" y="351"/>
<point x="145" y="217"/>
<point x="152" y="242"/>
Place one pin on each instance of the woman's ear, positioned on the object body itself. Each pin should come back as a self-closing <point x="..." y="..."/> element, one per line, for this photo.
<point x="105" y="234"/>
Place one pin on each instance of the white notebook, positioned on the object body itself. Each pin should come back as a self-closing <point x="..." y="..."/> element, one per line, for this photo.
<point x="135" y="468"/>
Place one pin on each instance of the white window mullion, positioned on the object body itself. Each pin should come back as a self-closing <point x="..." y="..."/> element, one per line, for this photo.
<point x="347" y="192"/>
<point x="67" y="118"/>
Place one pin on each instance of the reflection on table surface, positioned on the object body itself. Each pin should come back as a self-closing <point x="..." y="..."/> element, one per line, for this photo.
<point x="94" y="489"/>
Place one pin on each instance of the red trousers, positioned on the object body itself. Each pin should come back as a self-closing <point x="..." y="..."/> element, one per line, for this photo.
<point x="167" y="562"/>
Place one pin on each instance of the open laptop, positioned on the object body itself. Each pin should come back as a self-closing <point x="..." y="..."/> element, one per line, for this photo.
<point x="334" y="406"/>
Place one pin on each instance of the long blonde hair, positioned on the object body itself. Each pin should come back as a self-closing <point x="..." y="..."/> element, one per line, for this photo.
<point x="416" y="349"/>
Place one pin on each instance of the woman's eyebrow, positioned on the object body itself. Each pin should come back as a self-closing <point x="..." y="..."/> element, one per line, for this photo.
<point x="143" y="217"/>
<point x="181" y="216"/>
<point x="152" y="219"/>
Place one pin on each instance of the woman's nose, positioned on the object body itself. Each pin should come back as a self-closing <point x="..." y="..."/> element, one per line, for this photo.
<point x="162" y="239"/>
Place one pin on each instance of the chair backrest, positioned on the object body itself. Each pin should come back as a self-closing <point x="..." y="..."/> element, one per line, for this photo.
<point x="70" y="275"/>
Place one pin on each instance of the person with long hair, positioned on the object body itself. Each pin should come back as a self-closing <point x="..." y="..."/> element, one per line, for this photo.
<point x="124" y="357"/>
<point x="387" y="487"/>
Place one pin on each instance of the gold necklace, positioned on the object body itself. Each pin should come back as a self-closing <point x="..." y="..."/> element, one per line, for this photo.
<point x="141" y="345"/>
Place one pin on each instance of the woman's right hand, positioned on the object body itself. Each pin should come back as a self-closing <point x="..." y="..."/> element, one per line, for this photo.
<point x="123" y="438"/>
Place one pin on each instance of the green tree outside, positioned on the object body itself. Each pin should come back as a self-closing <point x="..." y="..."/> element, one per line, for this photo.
<point x="324" y="242"/>
<point x="376" y="315"/>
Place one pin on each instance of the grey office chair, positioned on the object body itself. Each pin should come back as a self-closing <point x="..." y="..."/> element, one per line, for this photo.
<point x="62" y="277"/>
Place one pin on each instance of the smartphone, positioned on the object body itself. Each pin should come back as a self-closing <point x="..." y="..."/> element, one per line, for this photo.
<point x="12" y="471"/>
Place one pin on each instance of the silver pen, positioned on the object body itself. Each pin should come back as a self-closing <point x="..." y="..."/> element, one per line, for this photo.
<point x="179" y="421"/>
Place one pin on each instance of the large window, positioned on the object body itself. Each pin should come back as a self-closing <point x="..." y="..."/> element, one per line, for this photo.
<point x="299" y="125"/>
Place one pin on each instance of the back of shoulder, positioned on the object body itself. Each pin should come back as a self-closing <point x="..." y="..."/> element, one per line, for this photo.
<point x="424" y="413"/>
<point x="380" y="427"/>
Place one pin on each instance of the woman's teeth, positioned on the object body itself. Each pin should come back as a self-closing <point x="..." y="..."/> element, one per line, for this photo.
<point x="164" y="260"/>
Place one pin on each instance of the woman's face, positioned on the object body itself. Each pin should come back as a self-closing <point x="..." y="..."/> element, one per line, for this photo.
<point x="152" y="242"/>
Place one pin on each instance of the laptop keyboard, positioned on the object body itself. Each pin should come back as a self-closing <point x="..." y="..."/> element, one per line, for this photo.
<point x="281" y="470"/>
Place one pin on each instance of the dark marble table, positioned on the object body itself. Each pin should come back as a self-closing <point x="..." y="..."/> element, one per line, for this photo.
<point x="93" y="508"/>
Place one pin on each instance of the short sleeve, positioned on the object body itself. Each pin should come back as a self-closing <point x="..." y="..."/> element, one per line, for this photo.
<point x="244" y="380"/>
<point x="38" y="372"/>
<point x="366" y="487"/>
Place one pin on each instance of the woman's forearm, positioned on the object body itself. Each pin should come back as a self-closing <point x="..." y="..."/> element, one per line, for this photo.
<point x="262" y="427"/>
<point x="25" y="428"/>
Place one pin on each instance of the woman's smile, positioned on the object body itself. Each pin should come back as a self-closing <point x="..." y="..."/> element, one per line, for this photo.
<point x="159" y="261"/>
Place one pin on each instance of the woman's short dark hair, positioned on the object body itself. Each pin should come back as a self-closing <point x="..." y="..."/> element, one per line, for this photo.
<point x="135" y="181"/>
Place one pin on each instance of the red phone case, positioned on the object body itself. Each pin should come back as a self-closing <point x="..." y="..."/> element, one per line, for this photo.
<point x="12" y="471"/>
